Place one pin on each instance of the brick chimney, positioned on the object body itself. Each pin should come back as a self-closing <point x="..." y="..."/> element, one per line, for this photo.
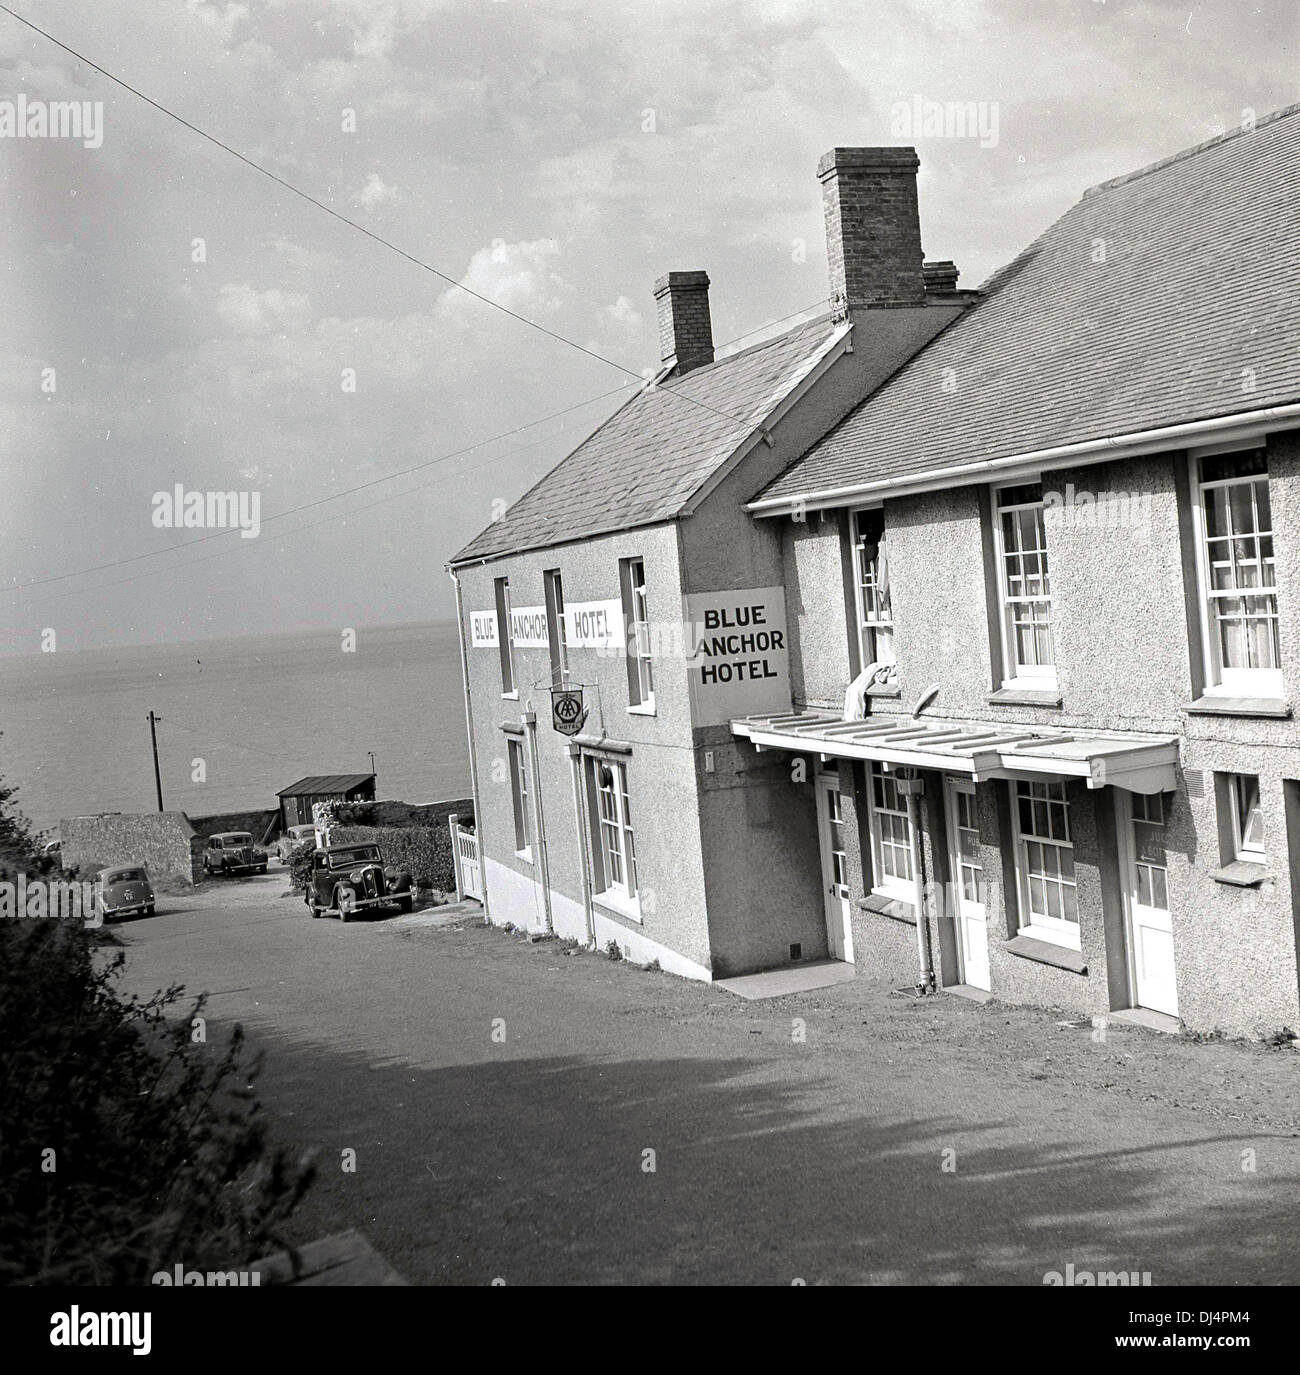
<point x="873" y="226"/>
<point x="685" y="329"/>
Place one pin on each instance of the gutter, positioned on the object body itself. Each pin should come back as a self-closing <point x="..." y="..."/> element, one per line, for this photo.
<point x="469" y="731"/>
<point x="1219" y="429"/>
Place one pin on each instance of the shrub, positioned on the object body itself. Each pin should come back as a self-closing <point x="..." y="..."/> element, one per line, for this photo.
<point x="300" y="865"/>
<point x="129" y="1147"/>
<point x="423" y="850"/>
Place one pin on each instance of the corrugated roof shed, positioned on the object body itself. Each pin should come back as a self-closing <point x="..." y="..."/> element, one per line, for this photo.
<point x="654" y="453"/>
<point x="1143" y="306"/>
<point x="325" y="783"/>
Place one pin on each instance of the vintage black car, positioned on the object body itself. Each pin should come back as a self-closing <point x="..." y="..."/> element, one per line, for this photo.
<point x="353" y="878"/>
<point x="233" y="852"/>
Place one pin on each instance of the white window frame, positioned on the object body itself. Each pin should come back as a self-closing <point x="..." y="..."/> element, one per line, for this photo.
<point x="1033" y="677"/>
<point x="612" y="835"/>
<point x="636" y="622"/>
<point x="1041" y="925"/>
<point x="553" y="583"/>
<point x="520" y="798"/>
<point x="1219" y="680"/>
<point x="1246" y="852"/>
<point x="873" y="618"/>
<point x="889" y="885"/>
<point x="505" y="641"/>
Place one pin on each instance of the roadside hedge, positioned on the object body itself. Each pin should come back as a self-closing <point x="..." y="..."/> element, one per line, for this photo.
<point x="424" y="850"/>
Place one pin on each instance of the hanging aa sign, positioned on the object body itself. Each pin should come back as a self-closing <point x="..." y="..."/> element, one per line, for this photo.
<point x="567" y="712"/>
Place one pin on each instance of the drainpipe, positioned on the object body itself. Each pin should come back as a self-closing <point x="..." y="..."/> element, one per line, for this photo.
<point x="584" y="857"/>
<point x="529" y="720"/>
<point x="473" y="765"/>
<point x="912" y="789"/>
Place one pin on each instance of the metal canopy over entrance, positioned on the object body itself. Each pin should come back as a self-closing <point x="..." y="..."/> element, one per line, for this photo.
<point x="974" y="749"/>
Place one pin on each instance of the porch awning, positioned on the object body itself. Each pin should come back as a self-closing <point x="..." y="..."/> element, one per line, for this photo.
<point x="976" y="750"/>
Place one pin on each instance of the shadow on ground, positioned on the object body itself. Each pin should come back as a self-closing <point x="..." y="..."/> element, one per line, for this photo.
<point x="533" y="1170"/>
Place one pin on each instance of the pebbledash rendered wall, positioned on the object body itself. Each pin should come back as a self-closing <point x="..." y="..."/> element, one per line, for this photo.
<point x="1127" y="652"/>
<point x="660" y="764"/>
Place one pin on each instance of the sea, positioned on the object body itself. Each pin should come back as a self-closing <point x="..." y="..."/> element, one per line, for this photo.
<point x="240" y="720"/>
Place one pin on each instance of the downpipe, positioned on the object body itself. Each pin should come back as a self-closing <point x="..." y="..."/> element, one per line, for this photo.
<point x="584" y="857"/>
<point x="543" y="866"/>
<point x="913" y="787"/>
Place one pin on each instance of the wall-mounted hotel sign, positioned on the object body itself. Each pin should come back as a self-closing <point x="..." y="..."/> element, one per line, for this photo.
<point x="567" y="712"/>
<point x="594" y="625"/>
<point x="528" y="627"/>
<point x="737" y="654"/>
<point x="483" y="629"/>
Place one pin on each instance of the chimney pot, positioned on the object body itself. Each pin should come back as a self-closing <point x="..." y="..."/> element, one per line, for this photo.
<point x="940" y="278"/>
<point x="685" y="329"/>
<point x="873" y="226"/>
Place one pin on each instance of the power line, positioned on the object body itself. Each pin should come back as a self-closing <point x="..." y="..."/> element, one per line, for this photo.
<point x="321" y="501"/>
<point x="360" y="228"/>
<point x="349" y="491"/>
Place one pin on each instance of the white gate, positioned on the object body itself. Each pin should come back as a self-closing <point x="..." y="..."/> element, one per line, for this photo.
<point x="469" y="872"/>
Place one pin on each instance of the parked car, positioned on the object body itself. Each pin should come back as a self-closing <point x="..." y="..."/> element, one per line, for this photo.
<point x="233" y="852"/>
<point x="291" y="840"/>
<point x="352" y="878"/>
<point x="124" y="890"/>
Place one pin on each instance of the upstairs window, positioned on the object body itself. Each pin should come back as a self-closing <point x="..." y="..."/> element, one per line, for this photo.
<point x="555" y="627"/>
<point x="636" y="622"/>
<point x="1237" y="577"/>
<point x="1025" y="585"/>
<point x="504" y="640"/>
<point x="874" y="614"/>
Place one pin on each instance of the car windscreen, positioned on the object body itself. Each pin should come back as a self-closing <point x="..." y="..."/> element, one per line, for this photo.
<point x="344" y="859"/>
<point x="234" y="842"/>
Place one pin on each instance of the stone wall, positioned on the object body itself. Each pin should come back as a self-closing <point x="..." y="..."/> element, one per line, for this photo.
<point x="164" y="842"/>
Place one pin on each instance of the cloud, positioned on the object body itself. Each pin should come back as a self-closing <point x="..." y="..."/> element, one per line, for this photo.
<point x="375" y="192"/>
<point x="249" y="311"/>
<point x="518" y="276"/>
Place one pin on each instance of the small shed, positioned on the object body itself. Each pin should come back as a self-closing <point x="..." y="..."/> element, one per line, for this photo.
<point x="296" y="800"/>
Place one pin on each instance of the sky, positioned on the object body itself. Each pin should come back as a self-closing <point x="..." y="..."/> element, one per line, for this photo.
<point x="172" y="316"/>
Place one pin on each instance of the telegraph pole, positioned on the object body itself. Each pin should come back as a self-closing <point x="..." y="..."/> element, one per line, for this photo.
<point x="153" y="736"/>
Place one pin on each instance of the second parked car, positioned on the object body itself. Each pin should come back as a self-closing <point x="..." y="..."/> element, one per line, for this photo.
<point x="291" y="840"/>
<point x="233" y="852"/>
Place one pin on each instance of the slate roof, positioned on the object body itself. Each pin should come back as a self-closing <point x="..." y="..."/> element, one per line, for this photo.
<point x="655" y="452"/>
<point x="325" y="783"/>
<point x="1201" y="280"/>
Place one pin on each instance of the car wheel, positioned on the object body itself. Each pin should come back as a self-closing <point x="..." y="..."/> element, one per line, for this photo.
<point x="261" y="868"/>
<point x="405" y="904"/>
<point x="148" y="911"/>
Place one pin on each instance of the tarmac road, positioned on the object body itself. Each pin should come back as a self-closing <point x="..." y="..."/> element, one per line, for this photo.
<point x="523" y="1114"/>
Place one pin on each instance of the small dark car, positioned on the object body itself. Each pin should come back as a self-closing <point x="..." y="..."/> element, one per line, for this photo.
<point x="352" y="878"/>
<point x="233" y="852"/>
<point x="125" y="890"/>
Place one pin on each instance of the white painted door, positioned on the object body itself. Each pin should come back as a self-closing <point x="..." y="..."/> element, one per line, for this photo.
<point x="835" y="874"/>
<point x="1150" y="925"/>
<point x="968" y="884"/>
